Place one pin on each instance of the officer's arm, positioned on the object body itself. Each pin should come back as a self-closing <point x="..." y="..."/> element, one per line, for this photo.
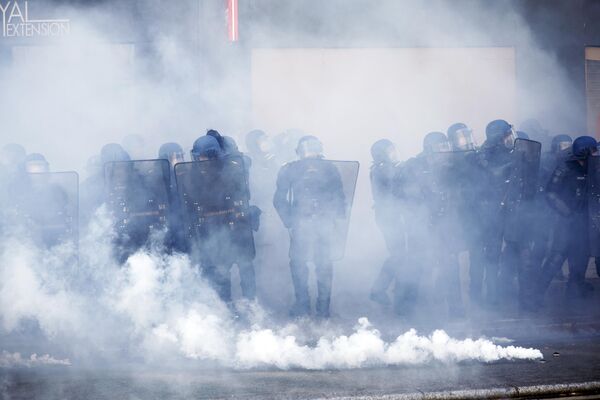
<point x="553" y="190"/>
<point x="280" y="199"/>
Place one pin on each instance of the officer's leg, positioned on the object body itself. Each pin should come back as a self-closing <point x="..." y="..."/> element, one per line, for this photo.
<point x="552" y="265"/>
<point x="579" y="256"/>
<point x="476" y="263"/>
<point x="492" y="251"/>
<point x="324" y="269"/>
<point x="509" y="265"/>
<point x="557" y="254"/>
<point x="394" y="240"/>
<point x="219" y="278"/>
<point x="450" y="274"/>
<point x="576" y="285"/>
<point x="407" y="279"/>
<point x="299" y="270"/>
<point x="578" y="263"/>
<point x="528" y="276"/>
<point x="383" y="282"/>
<point x="406" y="292"/>
<point x="324" y="272"/>
<point x="247" y="279"/>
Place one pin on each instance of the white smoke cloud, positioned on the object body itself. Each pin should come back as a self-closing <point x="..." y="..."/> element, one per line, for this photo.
<point x="365" y="347"/>
<point x="12" y="360"/>
<point x="157" y="308"/>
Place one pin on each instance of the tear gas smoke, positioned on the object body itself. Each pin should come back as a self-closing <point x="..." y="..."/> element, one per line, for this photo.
<point x="69" y="100"/>
<point x="12" y="360"/>
<point x="157" y="308"/>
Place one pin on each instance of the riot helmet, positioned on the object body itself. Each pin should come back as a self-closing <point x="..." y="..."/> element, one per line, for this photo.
<point x="171" y="152"/>
<point x="309" y="147"/>
<point x="561" y="143"/>
<point x="36" y="163"/>
<point x="257" y="141"/>
<point x="461" y="137"/>
<point x="384" y="151"/>
<point x="230" y="146"/>
<point x="206" y="148"/>
<point x="215" y="134"/>
<point x="435" y="142"/>
<point x="584" y="146"/>
<point x="113" y="152"/>
<point x="500" y="132"/>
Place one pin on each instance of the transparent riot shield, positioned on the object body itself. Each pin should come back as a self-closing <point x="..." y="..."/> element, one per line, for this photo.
<point x="215" y="206"/>
<point x="525" y="167"/>
<point x="50" y="205"/>
<point x="594" y="204"/>
<point x="348" y="171"/>
<point x="521" y="189"/>
<point x="137" y="194"/>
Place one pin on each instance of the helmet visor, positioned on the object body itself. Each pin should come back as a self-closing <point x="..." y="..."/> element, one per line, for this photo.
<point x="509" y="138"/>
<point x="36" y="167"/>
<point x="464" y="139"/>
<point x="175" y="158"/>
<point x="440" y="147"/>
<point x="564" y="145"/>
<point x="310" y="148"/>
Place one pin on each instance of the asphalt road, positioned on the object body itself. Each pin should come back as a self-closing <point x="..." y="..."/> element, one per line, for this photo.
<point x="568" y="336"/>
<point x="565" y="362"/>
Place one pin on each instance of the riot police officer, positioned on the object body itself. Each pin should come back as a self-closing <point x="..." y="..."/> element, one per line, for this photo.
<point x="566" y="193"/>
<point x="544" y="216"/>
<point x="309" y="198"/>
<point x="92" y="189"/>
<point x="388" y="215"/>
<point x="223" y="235"/>
<point x="435" y="237"/>
<point x="49" y="202"/>
<point x="259" y="146"/>
<point x="468" y="177"/>
<point x="494" y="159"/>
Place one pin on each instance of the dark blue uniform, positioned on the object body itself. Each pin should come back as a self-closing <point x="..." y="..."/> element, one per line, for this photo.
<point x="309" y="198"/>
<point x="390" y="220"/>
<point x="566" y="193"/>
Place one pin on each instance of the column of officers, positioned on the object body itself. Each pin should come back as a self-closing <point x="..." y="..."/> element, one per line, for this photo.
<point x="202" y="208"/>
<point x="519" y="212"/>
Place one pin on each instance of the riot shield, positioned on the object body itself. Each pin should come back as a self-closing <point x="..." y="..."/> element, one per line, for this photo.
<point x="215" y="205"/>
<point x="521" y="189"/>
<point x="137" y="194"/>
<point x="593" y="190"/>
<point x="525" y="167"/>
<point x="50" y="205"/>
<point x="348" y="171"/>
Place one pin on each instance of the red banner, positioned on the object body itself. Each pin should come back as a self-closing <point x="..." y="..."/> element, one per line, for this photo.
<point x="232" y="20"/>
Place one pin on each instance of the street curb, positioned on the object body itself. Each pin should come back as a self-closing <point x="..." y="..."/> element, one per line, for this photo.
<point x="512" y="392"/>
